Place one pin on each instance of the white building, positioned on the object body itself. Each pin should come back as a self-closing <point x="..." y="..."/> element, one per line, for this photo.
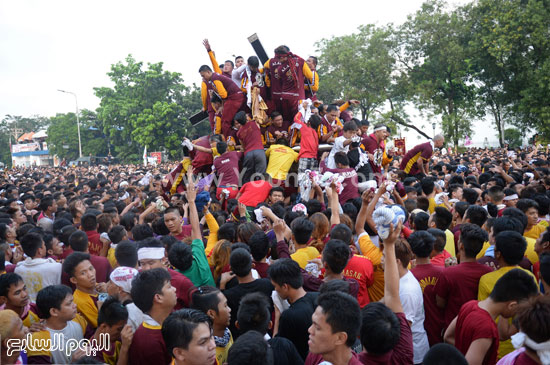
<point x="31" y="150"/>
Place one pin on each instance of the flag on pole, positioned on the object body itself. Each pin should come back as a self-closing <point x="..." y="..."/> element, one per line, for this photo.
<point x="145" y="156"/>
<point x="467" y="141"/>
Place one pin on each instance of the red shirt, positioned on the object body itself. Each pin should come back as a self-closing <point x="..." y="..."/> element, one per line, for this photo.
<point x="250" y="136"/>
<point x="458" y="285"/>
<point x="254" y="192"/>
<point x="94" y="242"/>
<point x="351" y="180"/>
<point x="148" y="347"/>
<point x="375" y="148"/>
<point x="183" y="287"/>
<point x="227" y="167"/>
<point x="439" y="260"/>
<point x="261" y="268"/>
<point x="198" y="158"/>
<point x="474" y="323"/>
<point x="360" y="268"/>
<point x="314" y="359"/>
<point x="402" y="353"/>
<point x="309" y="144"/>
<point x="428" y="275"/>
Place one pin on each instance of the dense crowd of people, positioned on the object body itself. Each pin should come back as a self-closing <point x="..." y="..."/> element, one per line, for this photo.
<point x="289" y="235"/>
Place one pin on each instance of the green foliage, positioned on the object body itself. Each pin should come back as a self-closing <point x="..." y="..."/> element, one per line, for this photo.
<point x="146" y="107"/>
<point x="63" y="131"/>
<point x="513" y="137"/>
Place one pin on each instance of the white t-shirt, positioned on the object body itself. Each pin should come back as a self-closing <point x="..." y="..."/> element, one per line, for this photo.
<point x="412" y="301"/>
<point x="38" y="274"/>
<point x="73" y="330"/>
<point x="135" y="316"/>
<point x="337" y="147"/>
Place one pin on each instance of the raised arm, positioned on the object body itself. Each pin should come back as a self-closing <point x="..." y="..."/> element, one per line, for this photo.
<point x="391" y="274"/>
<point x="193" y="214"/>
<point x="334" y="206"/>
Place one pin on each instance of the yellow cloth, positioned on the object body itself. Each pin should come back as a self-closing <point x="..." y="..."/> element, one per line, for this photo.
<point x="30" y="319"/>
<point x="215" y="65"/>
<point x="431" y="207"/>
<point x="303" y="255"/>
<point x="481" y="253"/>
<point x="212" y="237"/>
<point x="86" y="306"/>
<point x="450" y="243"/>
<point x="281" y="158"/>
<point x="111" y="257"/>
<point x="221" y="352"/>
<point x="185" y="163"/>
<point x="486" y="285"/>
<point x="544" y="223"/>
<point x="535" y="232"/>
<point x="374" y="254"/>
<point x="529" y="252"/>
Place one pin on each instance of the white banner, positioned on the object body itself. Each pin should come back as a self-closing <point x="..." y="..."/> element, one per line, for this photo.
<point x="27" y="147"/>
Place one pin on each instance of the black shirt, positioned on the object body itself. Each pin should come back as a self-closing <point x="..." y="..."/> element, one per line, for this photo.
<point x="284" y="352"/>
<point x="296" y="320"/>
<point x="235" y="294"/>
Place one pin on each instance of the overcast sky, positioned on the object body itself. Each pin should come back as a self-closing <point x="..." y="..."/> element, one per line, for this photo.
<point x="70" y="45"/>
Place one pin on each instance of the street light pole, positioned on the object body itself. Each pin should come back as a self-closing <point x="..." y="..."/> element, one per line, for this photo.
<point x="77" y="120"/>
<point x="433" y="126"/>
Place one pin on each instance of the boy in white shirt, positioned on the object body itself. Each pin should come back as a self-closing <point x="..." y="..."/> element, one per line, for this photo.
<point x="341" y="144"/>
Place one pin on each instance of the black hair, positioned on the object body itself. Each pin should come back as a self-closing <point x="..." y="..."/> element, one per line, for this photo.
<point x="126" y="254"/>
<point x="222" y="147"/>
<point x="51" y="297"/>
<point x="251" y="349"/>
<point x="476" y="214"/>
<point x="112" y="312"/>
<point x="472" y="237"/>
<point x="45" y="203"/>
<point x="159" y="227"/>
<point x="350" y="126"/>
<point x="78" y="241"/>
<point x="150" y="242"/>
<point x="422" y="243"/>
<point x="525" y="204"/>
<point x="128" y="221"/>
<point x="342" y="232"/>
<point x="228" y="231"/>
<point x="507" y="223"/>
<point x="544" y="260"/>
<point x="7" y="280"/>
<point x="88" y="222"/>
<point x="30" y="243"/>
<point x="253" y="61"/>
<point x="427" y="185"/>
<point x="146" y="285"/>
<point x="72" y="261"/>
<point x="517" y="214"/>
<point x="342" y="314"/>
<point x="512" y="246"/>
<point x="240" y="117"/>
<point x="205" y="298"/>
<point x="279" y="189"/>
<point x="421" y="221"/>
<point x="341" y="158"/>
<point x="240" y="262"/>
<point x="59" y="224"/>
<point x="442" y="218"/>
<point x="117" y="233"/>
<point x="302" y="229"/>
<point x="443" y="353"/>
<point x="253" y="313"/>
<point x="314" y="121"/>
<point x="259" y="245"/>
<point x="380" y="328"/>
<point x="515" y="285"/>
<point x="313" y="206"/>
<point x="335" y="285"/>
<point x="141" y="232"/>
<point x="440" y="239"/>
<point x="286" y="271"/>
<point x="205" y="68"/>
<point x="180" y="256"/>
<point x="88" y="360"/>
<point x="178" y="327"/>
<point x="332" y="107"/>
<point x="470" y="195"/>
<point x="336" y="255"/>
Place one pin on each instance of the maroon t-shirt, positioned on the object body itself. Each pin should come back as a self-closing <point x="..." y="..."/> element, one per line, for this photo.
<point x="458" y="285"/>
<point x="314" y="359"/>
<point x="94" y="242"/>
<point x="428" y="275"/>
<point x="351" y="180"/>
<point x="424" y="150"/>
<point x="250" y="137"/>
<point x="227" y="167"/>
<point x="270" y="131"/>
<point x="148" y="347"/>
<point x="284" y="83"/>
<point x="402" y="353"/>
<point x="228" y="84"/>
<point x="375" y="148"/>
<point x="261" y="268"/>
<point x="198" y="158"/>
<point x="474" y="323"/>
<point x="183" y="287"/>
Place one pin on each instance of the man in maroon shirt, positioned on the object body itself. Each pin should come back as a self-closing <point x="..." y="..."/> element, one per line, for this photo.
<point x="422" y="244"/>
<point x="79" y="243"/>
<point x="381" y="322"/>
<point x="285" y="75"/>
<point x="375" y="145"/>
<point x="459" y="284"/>
<point x="416" y="160"/>
<point x="250" y="135"/>
<point x="227" y="169"/>
<point x="227" y="90"/>
<point x="474" y="331"/>
<point x="202" y="161"/>
<point x="351" y="180"/>
<point x="278" y="129"/>
<point x="151" y="255"/>
<point x="154" y="295"/>
<point x="88" y="223"/>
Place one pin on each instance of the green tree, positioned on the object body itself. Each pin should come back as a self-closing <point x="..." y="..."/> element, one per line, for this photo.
<point x="433" y="51"/>
<point x="513" y="137"/>
<point x="146" y="107"/>
<point x="63" y="136"/>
